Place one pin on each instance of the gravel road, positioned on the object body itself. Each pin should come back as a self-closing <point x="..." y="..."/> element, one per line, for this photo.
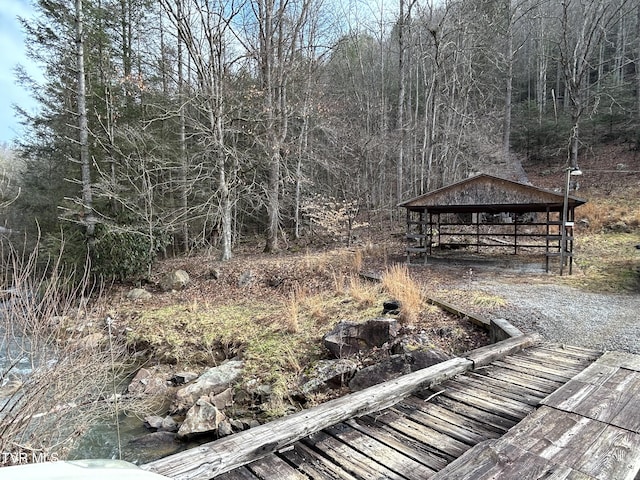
<point x="568" y="315"/>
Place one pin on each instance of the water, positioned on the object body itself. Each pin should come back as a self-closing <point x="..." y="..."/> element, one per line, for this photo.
<point x="101" y="440"/>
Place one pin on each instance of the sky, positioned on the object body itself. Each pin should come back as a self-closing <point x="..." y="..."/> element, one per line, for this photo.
<point x="12" y="54"/>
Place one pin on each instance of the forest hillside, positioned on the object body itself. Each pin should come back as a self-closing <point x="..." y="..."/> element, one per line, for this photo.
<point x="182" y="126"/>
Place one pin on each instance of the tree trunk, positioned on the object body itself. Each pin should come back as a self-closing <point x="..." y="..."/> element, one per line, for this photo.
<point x="83" y="130"/>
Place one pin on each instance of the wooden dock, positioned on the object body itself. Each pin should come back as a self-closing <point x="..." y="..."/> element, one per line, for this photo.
<point x="520" y="409"/>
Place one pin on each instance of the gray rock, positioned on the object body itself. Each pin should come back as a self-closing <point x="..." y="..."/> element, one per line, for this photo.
<point x="169" y="424"/>
<point x="390" y="368"/>
<point x="222" y="400"/>
<point x="153" y="422"/>
<point x="327" y="374"/>
<point x="224" y="428"/>
<point x="426" y="358"/>
<point x="245" y="279"/>
<point x="411" y="343"/>
<point x="138" y="294"/>
<point x="211" y="382"/>
<point x="148" y="382"/>
<point x="176" y="280"/>
<point x="396" y="366"/>
<point x="348" y="338"/>
<point x="166" y="424"/>
<point x="237" y="425"/>
<point x="202" y="418"/>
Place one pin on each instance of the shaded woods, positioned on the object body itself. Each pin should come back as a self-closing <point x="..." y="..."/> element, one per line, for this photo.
<point x="184" y="125"/>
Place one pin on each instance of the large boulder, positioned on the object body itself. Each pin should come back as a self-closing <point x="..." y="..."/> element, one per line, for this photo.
<point x="388" y="369"/>
<point x="395" y="366"/>
<point x="202" y="418"/>
<point x="176" y="280"/>
<point x="326" y="374"/>
<point x="211" y="382"/>
<point x="348" y="338"/>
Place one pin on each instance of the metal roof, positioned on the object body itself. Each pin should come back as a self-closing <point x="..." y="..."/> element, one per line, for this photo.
<point x="486" y="193"/>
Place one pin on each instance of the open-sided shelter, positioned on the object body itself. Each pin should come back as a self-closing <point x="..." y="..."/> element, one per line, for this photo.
<point x="486" y="211"/>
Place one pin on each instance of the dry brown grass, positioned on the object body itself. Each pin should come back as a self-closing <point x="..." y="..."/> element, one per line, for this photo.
<point x="364" y="293"/>
<point x="610" y="214"/>
<point x="292" y="313"/>
<point x="399" y="284"/>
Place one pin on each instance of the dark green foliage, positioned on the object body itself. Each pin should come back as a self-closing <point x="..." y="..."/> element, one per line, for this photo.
<point x="125" y="254"/>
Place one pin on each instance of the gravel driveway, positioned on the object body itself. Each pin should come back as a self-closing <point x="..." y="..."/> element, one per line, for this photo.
<point x="568" y="315"/>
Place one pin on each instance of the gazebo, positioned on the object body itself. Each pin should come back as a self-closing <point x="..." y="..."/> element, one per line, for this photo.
<point x="486" y="212"/>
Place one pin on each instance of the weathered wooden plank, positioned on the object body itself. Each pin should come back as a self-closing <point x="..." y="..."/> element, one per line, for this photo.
<point x="480" y="321"/>
<point x="351" y="460"/>
<point x="538" y="368"/>
<point x="454" y="431"/>
<point x="614" y="454"/>
<point x="595" y="374"/>
<point x="574" y="354"/>
<point x="628" y="416"/>
<point x="485" y="355"/>
<point x="273" y="467"/>
<point x="558" y="436"/>
<point x="217" y="457"/>
<point x="381" y="453"/>
<point x="594" y="448"/>
<point x="530" y="368"/>
<point x="502" y="389"/>
<point x="509" y="375"/>
<point x="500" y="329"/>
<point x="452" y="418"/>
<point x="408" y="446"/>
<point x="505" y="461"/>
<point x="489" y="402"/>
<point x="621" y="359"/>
<point x="313" y="465"/>
<point x="570" y="395"/>
<point x="572" y="350"/>
<point x="552" y="359"/>
<point x="242" y="473"/>
<point x="496" y="421"/>
<point x="607" y="400"/>
<point x="422" y="433"/>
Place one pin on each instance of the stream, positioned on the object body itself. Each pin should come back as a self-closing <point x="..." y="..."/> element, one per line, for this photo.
<point x="101" y="440"/>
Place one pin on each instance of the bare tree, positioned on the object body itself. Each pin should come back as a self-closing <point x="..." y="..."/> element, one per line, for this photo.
<point x="202" y="28"/>
<point x="279" y="23"/>
<point x="577" y="48"/>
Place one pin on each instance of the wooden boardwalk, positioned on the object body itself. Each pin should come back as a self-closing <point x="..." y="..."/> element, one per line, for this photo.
<point x="548" y="411"/>
<point x="422" y="434"/>
<point x="587" y="429"/>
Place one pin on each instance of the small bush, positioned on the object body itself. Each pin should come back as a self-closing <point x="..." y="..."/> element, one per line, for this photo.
<point x="125" y="254"/>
